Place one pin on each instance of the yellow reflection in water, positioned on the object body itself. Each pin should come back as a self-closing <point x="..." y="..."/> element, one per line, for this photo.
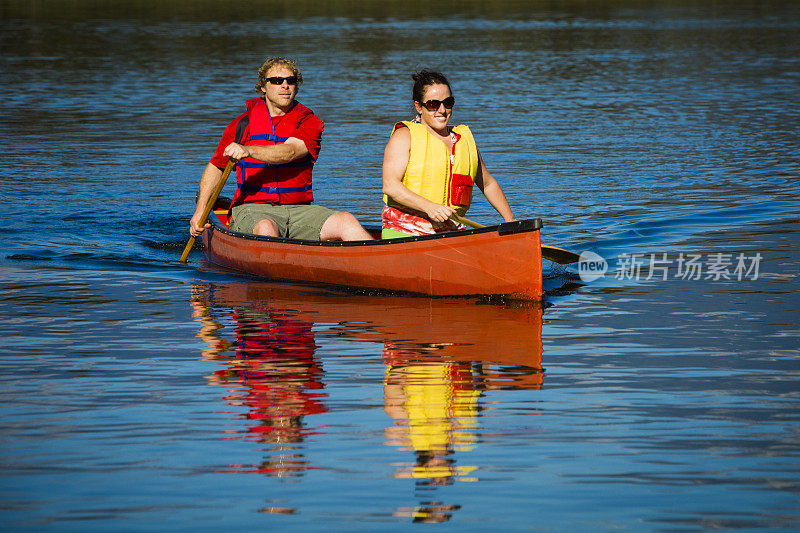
<point x="441" y="356"/>
<point x="435" y="408"/>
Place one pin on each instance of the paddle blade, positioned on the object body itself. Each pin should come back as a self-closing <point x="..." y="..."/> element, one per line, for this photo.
<point x="559" y="255"/>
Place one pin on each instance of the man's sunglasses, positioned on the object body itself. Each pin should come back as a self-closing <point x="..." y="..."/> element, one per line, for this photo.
<point x="433" y="105"/>
<point x="277" y="80"/>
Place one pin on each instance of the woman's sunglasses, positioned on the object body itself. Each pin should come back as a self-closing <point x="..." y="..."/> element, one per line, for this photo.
<point x="277" y="80"/>
<point x="433" y="105"/>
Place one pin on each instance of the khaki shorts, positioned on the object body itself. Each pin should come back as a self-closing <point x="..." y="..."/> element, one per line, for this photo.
<point x="293" y="221"/>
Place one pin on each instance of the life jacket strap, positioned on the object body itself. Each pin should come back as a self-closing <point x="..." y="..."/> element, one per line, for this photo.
<point x="268" y="137"/>
<point x="260" y="164"/>
<point x="274" y="190"/>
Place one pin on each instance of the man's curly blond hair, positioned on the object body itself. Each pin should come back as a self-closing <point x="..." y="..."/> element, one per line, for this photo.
<point x="273" y="61"/>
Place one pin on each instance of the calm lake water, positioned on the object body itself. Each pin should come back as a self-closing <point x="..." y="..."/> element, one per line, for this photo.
<point x="140" y="394"/>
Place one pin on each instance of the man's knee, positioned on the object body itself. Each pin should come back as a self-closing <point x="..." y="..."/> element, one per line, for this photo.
<point x="347" y="219"/>
<point x="342" y="226"/>
<point x="266" y="227"/>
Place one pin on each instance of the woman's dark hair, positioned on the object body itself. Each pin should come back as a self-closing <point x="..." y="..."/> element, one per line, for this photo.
<point x="424" y="79"/>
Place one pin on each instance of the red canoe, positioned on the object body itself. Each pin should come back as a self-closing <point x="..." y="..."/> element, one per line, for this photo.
<point x="503" y="260"/>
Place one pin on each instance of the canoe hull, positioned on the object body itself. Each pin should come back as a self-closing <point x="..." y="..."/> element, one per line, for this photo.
<point x="497" y="260"/>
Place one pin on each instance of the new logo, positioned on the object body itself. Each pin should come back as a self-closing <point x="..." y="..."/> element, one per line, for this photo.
<point x="591" y="266"/>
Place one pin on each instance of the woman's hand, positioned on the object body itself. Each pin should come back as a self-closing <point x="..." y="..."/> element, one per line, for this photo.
<point x="439" y="212"/>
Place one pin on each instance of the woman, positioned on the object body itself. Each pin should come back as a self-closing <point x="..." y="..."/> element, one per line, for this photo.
<point x="429" y="168"/>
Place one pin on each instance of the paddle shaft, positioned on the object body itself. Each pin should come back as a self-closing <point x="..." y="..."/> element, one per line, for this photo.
<point x="551" y="253"/>
<point x="467" y="222"/>
<point x="209" y="206"/>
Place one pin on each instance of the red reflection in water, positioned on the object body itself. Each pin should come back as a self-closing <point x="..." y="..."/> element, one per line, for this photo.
<point x="441" y="356"/>
<point x="274" y="374"/>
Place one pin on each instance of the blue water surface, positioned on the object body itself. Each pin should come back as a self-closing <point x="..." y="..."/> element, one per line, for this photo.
<point x="140" y="394"/>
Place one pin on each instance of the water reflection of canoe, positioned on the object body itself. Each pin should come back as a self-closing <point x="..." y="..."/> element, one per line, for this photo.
<point x="504" y="259"/>
<point x="441" y="356"/>
<point x="412" y="330"/>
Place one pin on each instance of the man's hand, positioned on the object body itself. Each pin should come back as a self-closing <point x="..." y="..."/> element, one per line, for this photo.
<point x="194" y="225"/>
<point x="237" y="151"/>
<point x="209" y="180"/>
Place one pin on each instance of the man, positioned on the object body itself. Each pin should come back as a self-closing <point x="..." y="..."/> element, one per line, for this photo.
<point x="276" y="141"/>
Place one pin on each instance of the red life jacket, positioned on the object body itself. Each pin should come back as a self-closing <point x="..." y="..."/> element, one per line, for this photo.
<point x="260" y="182"/>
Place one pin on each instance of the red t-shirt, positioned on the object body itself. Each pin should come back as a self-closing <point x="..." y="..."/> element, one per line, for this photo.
<point x="309" y="131"/>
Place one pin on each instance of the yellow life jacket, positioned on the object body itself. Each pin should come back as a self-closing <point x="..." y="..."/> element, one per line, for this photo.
<point x="435" y="175"/>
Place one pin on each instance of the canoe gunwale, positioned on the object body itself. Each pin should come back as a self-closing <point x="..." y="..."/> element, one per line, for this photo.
<point x="505" y="228"/>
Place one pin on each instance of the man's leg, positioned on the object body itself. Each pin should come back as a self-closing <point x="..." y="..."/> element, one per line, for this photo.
<point x="316" y="222"/>
<point x="343" y="226"/>
<point x="259" y="219"/>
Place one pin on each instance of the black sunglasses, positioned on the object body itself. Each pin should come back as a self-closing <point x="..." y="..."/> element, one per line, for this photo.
<point x="277" y="80"/>
<point x="433" y="105"/>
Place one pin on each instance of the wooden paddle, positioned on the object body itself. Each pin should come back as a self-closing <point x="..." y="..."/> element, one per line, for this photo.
<point x="209" y="206"/>
<point x="551" y="253"/>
